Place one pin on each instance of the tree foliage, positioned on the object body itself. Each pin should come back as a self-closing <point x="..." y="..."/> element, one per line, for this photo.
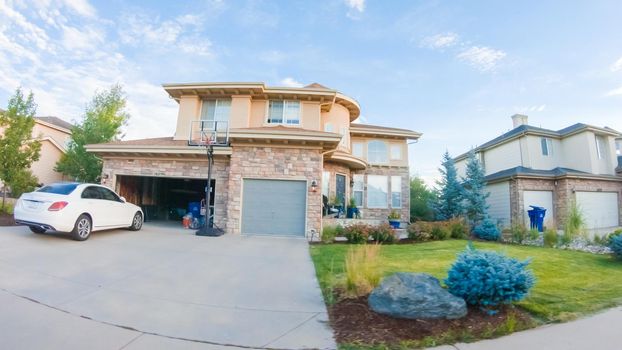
<point x="474" y="191"/>
<point x="448" y="203"/>
<point x="17" y="148"/>
<point x="420" y="200"/>
<point x="102" y="122"/>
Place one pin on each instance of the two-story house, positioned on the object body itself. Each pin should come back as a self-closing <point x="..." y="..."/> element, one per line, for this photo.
<point x="535" y="166"/>
<point x="287" y="147"/>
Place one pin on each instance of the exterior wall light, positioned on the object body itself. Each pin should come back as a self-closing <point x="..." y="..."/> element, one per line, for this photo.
<point x="314" y="186"/>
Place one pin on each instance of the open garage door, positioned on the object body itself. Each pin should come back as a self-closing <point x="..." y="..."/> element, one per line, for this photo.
<point x="600" y="209"/>
<point x="274" y="207"/>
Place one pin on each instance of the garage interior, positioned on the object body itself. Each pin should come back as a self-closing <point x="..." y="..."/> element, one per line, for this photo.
<point x="163" y="198"/>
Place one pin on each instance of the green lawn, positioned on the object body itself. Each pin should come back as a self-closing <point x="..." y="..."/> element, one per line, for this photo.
<point x="569" y="284"/>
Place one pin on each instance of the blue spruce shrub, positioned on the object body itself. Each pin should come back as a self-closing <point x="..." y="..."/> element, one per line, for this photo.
<point x="489" y="279"/>
<point x="615" y="243"/>
<point x="487" y="230"/>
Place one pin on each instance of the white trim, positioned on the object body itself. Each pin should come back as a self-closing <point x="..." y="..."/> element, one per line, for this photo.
<point x="284" y="122"/>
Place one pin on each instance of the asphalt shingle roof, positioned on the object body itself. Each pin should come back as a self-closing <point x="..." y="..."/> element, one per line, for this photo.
<point x="56" y="121"/>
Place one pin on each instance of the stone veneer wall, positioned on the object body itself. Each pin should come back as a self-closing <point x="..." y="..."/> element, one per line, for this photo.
<point x="190" y="168"/>
<point x="381" y="214"/>
<point x="274" y="163"/>
<point x="563" y="193"/>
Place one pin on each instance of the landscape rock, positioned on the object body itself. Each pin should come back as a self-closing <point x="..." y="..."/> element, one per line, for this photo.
<point x="415" y="296"/>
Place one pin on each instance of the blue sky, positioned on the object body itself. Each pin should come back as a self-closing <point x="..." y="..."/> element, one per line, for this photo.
<point x="454" y="70"/>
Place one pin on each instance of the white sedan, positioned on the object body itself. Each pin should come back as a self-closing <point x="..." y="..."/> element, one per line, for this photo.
<point x="76" y="208"/>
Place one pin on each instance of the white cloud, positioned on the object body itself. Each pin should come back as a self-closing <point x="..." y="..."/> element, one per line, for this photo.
<point x="81" y="38"/>
<point x="440" y="41"/>
<point x="615" y="92"/>
<point x="82" y="7"/>
<point x="291" y="82"/>
<point x="272" y="56"/>
<point x="617" y="65"/>
<point x="358" y="5"/>
<point x="483" y="58"/>
<point x="526" y="109"/>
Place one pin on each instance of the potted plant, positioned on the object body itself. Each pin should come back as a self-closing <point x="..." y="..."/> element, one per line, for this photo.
<point x="353" y="211"/>
<point x="394" y="218"/>
<point x="335" y="202"/>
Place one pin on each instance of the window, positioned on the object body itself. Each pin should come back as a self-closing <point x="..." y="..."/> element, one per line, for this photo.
<point x="377" y="191"/>
<point x="343" y="132"/>
<point x="396" y="152"/>
<point x="215" y="113"/>
<point x="284" y="112"/>
<point x="619" y="148"/>
<point x="108" y="194"/>
<point x="63" y="188"/>
<point x="357" y="149"/>
<point x="357" y="189"/>
<point x="328" y="127"/>
<point x="396" y="191"/>
<point x="547" y="146"/>
<point x="600" y="147"/>
<point x="325" y="183"/>
<point x="91" y="192"/>
<point x="377" y="152"/>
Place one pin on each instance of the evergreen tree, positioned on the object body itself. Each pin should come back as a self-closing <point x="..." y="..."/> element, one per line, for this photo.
<point x="448" y="203"/>
<point x="102" y="123"/>
<point x="17" y="149"/>
<point x="474" y="191"/>
<point x="420" y="198"/>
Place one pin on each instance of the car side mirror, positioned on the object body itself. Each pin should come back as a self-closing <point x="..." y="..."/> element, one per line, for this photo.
<point x="122" y="199"/>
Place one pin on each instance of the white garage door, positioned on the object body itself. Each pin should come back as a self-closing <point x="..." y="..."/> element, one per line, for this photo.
<point x="540" y="199"/>
<point x="600" y="209"/>
<point x="274" y="207"/>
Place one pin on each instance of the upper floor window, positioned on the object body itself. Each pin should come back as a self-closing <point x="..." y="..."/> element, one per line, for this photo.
<point x="377" y="152"/>
<point x="619" y="148"/>
<point x="547" y="146"/>
<point x="216" y="110"/>
<point x="396" y="152"/>
<point x="600" y="147"/>
<point x="357" y="149"/>
<point x="284" y="112"/>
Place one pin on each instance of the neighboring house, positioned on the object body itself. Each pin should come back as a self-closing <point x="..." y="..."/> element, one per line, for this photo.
<point x="534" y="166"/>
<point x="287" y="147"/>
<point x="54" y="134"/>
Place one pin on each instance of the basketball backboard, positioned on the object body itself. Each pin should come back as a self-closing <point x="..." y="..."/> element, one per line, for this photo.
<point x="209" y="132"/>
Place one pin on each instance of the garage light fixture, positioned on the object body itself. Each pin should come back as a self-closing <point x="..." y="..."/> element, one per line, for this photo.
<point x="314" y="186"/>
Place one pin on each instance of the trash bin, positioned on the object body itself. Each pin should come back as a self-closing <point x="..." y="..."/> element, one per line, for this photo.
<point x="536" y="217"/>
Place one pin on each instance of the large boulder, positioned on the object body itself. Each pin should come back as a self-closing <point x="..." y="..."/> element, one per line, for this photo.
<point x="415" y="296"/>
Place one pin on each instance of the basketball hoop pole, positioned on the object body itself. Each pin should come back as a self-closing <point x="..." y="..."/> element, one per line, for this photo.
<point x="208" y="227"/>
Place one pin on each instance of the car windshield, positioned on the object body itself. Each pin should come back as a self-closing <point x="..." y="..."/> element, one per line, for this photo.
<point x="59" y="188"/>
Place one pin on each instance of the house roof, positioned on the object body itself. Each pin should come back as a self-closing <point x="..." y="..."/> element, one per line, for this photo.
<point x="56" y="121"/>
<point x="558" y="172"/>
<point x="368" y="129"/>
<point x="528" y="129"/>
<point x="316" y="86"/>
<point x="156" y="141"/>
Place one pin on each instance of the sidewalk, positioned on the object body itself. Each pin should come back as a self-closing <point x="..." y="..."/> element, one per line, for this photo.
<point x="600" y="331"/>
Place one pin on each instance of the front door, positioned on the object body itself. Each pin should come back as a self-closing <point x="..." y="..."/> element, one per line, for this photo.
<point x="340" y="190"/>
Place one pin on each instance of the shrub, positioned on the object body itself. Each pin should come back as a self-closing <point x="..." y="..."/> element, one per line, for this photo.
<point x="550" y="238"/>
<point x="382" y="233"/>
<point x="362" y="274"/>
<point x="8" y="208"/>
<point x="616" y="245"/>
<point x="534" y="234"/>
<point x="519" y="233"/>
<point x="458" y="229"/>
<point x="487" y="230"/>
<point x="440" y="231"/>
<point x="415" y="232"/>
<point x="329" y="232"/>
<point x="575" y="222"/>
<point x="356" y="233"/>
<point x="488" y="278"/>
<point x="612" y="235"/>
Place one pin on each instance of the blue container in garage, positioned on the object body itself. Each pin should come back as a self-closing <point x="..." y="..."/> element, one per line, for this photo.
<point x="536" y="217"/>
<point x="195" y="209"/>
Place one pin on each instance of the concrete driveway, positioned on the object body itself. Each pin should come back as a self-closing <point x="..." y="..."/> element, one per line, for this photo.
<point x="161" y="287"/>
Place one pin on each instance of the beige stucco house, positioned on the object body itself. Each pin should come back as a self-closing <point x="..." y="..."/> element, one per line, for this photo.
<point x="54" y="134"/>
<point x="535" y="166"/>
<point x="287" y="148"/>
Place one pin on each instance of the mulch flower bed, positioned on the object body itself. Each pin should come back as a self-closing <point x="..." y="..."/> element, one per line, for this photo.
<point x="6" y="219"/>
<point x="355" y="323"/>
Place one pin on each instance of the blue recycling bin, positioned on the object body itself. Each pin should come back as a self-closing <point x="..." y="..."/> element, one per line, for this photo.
<point x="536" y="217"/>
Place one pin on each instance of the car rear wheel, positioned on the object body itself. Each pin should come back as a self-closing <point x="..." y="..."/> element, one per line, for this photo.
<point x="82" y="228"/>
<point x="37" y="229"/>
<point x="137" y="222"/>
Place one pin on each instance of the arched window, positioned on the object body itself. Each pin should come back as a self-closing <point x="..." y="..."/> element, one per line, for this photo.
<point x="377" y="152"/>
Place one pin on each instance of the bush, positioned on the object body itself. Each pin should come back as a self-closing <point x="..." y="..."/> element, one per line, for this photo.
<point x="612" y="235"/>
<point x="534" y="234"/>
<point x="487" y="230"/>
<point x="8" y="208"/>
<point x="489" y="279"/>
<point x="382" y="233"/>
<point x="458" y="229"/>
<point x="329" y="232"/>
<point x="550" y="238"/>
<point x="519" y="233"/>
<point x="575" y="222"/>
<point x="357" y="233"/>
<point x="416" y="233"/>
<point x="362" y="273"/>
<point x="440" y="231"/>
<point x="616" y="245"/>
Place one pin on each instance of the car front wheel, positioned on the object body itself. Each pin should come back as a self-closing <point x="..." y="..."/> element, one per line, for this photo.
<point x="137" y="222"/>
<point x="82" y="228"/>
